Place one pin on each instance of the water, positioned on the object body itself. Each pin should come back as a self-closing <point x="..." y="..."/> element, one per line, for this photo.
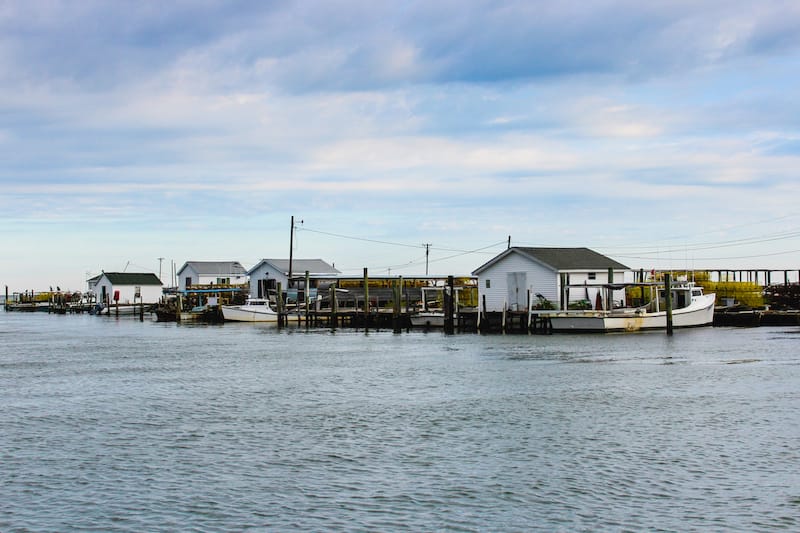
<point x="125" y="426"/>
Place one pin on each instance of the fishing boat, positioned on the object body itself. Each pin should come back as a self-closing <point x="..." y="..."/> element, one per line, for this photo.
<point x="253" y="310"/>
<point x="691" y="308"/>
<point x="428" y="319"/>
<point x="431" y="314"/>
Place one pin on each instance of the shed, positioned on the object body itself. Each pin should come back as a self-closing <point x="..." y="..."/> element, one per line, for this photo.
<point x="266" y="275"/>
<point x="211" y="273"/>
<point x="123" y="287"/>
<point x="507" y="280"/>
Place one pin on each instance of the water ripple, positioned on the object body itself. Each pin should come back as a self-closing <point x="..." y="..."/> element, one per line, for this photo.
<point x="123" y="426"/>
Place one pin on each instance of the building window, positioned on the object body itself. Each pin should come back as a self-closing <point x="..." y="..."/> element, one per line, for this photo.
<point x="488" y="284"/>
<point x="592" y="275"/>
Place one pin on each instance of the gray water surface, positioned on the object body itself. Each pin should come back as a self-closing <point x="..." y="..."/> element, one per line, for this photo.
<point x="126" y="426"/>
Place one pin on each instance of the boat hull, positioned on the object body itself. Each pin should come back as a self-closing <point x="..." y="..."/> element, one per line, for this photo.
<point x="244" y="313"/>
<point x="699" y="313"/>
<point x="428" y="320"/>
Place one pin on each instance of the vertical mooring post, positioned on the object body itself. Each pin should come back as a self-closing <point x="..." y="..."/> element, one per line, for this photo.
<point x="396" y="305"/>
<point x="481" y="313"/>
<point x="279" y="303"/>
<point x="366" y="296"/>
<point x="641" y="287"/>
<point x="668" y="300"/>
<point x="563" y="279"/>
<point x="610" y="289"/>
<point x="448" y="305"/>
<point x="530" y="310"/>
<point x="307" y="293"/>
<point x="333" y="306"/>
<point x="5" y="302"/>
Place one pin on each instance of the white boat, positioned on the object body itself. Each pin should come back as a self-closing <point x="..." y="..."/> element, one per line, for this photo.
<point x="432" y="317"/>
<point x="691" y="308"/>
<point x="254" y="310"/>
<point x="428" y="319"/>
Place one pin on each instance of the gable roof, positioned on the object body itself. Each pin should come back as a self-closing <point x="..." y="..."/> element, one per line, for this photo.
<point x="299" y="266"/>
<point x="211" y="268"/>
<point x="132" y="278"/>
<point x="560" y="259"/>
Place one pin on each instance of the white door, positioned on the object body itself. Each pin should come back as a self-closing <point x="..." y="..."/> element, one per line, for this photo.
<point x="517" y="283"/>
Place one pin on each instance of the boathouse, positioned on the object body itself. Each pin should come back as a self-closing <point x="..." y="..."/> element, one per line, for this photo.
<point x="550" y="277"/>
<point x="265" y="276"/>
<point x="127" y="288"/>
<point x="211" y="273"/>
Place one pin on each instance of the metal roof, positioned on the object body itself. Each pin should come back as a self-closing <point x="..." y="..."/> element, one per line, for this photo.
<point x="561" y="258"/>
<point x="211" y="268"/>
<point x="132" y="278"/>
<point x="314" y="266"/>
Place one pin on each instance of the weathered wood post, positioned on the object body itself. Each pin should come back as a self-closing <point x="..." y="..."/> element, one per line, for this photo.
<point x="641" y="288"/>
<point x="530" y="310"/>
<point x="307" y="293"/>
<point x="396" y="306"/>
<point x="334" y="306"/>
<point x="279" y="303"/>
<point x="668" y="300"/>
<point x="482" y="312"/>
<point x="563" y="303"/>
<point x="448" y="305"/>
<point x="366" y="296"/>
<point x="178" y="310"/>
<point x="5" y="302"/>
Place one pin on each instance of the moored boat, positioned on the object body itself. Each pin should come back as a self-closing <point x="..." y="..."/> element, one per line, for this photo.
<point x="253" y="310"/>
<point x="692" y="308"/>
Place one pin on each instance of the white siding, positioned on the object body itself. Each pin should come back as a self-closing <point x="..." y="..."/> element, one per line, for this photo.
<point x="539" y="279"/>
<point x="266" y="271"/>
<point x="207" y="279"/>
<point x="186" y="273"/>
<point x="150" y="293"/>
<point x="542" y="280"/>
<point x="579" y="277"/>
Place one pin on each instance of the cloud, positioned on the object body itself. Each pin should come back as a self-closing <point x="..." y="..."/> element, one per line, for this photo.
<point x="448" y="122"/>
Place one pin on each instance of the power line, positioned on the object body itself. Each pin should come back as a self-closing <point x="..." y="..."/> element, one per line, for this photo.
<point x="710" y="258"/>
<point x="389" y="243"/>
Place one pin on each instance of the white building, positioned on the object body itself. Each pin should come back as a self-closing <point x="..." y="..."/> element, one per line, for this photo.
<point x="507" y="280"/>
<point x="211" y="273"/>
<point x="125" y="287"/>
<point x="266" y="275"/>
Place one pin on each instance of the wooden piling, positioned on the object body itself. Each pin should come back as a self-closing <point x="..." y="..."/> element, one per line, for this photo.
<point x="5" y="302"/>
<point x="306" y="293"/>
<point x="334" y="306"/>
<point x="366" y="296"/>
<point x="668" y="300"/>
<point x="530" y="310"/>
<point x="279" y="304"/>
<point x="396" y="306"/>
<point x="448" y="305"/>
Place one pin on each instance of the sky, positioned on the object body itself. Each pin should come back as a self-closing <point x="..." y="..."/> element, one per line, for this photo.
<point x="138" y="135"/>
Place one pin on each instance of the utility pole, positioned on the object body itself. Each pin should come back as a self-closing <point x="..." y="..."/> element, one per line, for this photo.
<point x="427" y="253"/>
<point x="509" y="241"/>
<point x="291" y="252"/>
<point x="291" y="246"/>
<point x="160" y="259"/>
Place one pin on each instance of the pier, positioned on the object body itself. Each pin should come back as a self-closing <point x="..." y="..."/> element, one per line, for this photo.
<point x="450" y="304"/>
